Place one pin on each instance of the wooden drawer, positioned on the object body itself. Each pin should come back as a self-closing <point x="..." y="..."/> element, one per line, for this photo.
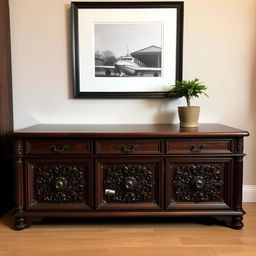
<point x="198" y="146"/>
<point x="63" y="146"/>
<point x="129" y="146"/>
<point x="124" y="184"/>
<point x="198" y="183"/>
<point x="58" y="183"/>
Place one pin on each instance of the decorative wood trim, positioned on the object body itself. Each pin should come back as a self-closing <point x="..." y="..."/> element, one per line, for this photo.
<point x="240" y="145"/>
<point x="18" y="149"/>
<point x="19" y="188"/>
<point x="238" y="183"/>
<point x="19" y="176"/>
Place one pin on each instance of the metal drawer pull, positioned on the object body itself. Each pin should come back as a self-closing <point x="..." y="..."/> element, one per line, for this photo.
<point x="133" y="147"/>
<point x="54" y="148"/>
<point x="194" y="149"/>
<point x="110" y="192"/>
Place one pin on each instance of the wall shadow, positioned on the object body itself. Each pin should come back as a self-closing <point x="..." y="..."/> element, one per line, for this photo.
<point x="166" y="110"/>
<point x="69" y="50"/>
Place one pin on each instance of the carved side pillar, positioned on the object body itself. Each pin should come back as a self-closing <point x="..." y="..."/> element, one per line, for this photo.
<point x="237" y="222"/>
<point x="20" y="222"/>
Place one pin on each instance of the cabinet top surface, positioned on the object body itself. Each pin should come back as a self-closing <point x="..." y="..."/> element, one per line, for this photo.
<point x="127" y="130"/>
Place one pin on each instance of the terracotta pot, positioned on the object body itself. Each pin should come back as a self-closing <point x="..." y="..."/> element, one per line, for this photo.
<point x="189" y="116"/>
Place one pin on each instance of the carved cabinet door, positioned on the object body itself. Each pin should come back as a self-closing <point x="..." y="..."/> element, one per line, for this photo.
<point x="58" y="184"/>
<point x="123" y="184"/>
<point x="199" y="183"/>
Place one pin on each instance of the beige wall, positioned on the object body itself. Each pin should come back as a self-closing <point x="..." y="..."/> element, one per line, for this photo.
<point x="219" y="48"/>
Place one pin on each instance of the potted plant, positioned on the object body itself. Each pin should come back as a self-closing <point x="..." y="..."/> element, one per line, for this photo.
<point x="188" y="114"/>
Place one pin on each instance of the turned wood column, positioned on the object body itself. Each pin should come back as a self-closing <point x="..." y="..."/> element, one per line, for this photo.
<point x="6" y="114"/>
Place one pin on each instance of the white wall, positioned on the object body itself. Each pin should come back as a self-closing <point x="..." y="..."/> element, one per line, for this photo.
<point x="219" y="48"/>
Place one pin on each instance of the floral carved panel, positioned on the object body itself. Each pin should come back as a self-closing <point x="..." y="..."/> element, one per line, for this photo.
<point x="60" y="183"/>
<point x="198" y="182"/>
<point x="129" y="182"/>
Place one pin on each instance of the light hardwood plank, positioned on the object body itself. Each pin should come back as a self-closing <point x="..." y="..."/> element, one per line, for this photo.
<point x="129" y="238"/>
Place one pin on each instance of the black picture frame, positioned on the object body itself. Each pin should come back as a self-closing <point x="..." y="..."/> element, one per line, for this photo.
<point x="76" y="6"/>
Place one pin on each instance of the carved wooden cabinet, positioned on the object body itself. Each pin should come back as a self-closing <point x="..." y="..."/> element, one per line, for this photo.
<point x="128" y="171"/>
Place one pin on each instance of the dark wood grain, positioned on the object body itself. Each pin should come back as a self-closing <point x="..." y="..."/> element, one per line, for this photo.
<point x="201" y="146"/>
<point x="6" y="119"/>
<point x="129" y="147"/>
<point x="55" y="147"/>
<point x="128" y="130"/>
<point x="111" y="214"/>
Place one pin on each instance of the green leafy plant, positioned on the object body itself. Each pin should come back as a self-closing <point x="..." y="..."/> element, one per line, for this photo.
<point x="188" y="89"/>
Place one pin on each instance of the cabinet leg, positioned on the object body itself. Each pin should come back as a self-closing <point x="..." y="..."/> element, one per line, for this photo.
<point x="237" y="222"/>
<point x="20" y="224"/>
<point x="225" y="220"/>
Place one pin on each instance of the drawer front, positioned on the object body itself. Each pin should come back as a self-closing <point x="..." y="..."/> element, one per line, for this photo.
<point x="41" y="146"/>
<point x="199" y="146"/>
<point x="199" y="183"/>
<point x="129" y="185"/>
<point x="129" y="146"/>
<point x="58" y="184"/>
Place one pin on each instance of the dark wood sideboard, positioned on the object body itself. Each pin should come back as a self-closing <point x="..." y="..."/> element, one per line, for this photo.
<point x="128" y="171"/>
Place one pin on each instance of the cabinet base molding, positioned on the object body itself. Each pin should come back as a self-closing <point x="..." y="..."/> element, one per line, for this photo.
<point x="231" y="219"/>
<point x="127" y="214"/>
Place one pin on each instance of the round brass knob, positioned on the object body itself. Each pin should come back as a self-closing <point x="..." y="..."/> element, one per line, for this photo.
<point x="199" y="182"/>
<point x="130" y="183"/>
<point x="60" y="183"/>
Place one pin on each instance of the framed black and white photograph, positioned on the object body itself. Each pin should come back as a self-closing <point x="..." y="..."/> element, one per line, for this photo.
<point x="126" y="49"/>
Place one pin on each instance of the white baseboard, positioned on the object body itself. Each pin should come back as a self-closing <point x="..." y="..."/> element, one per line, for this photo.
<point x="249" y="193"/>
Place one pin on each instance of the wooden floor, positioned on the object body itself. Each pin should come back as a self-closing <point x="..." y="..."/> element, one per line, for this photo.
<point x="122" y="237"/>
